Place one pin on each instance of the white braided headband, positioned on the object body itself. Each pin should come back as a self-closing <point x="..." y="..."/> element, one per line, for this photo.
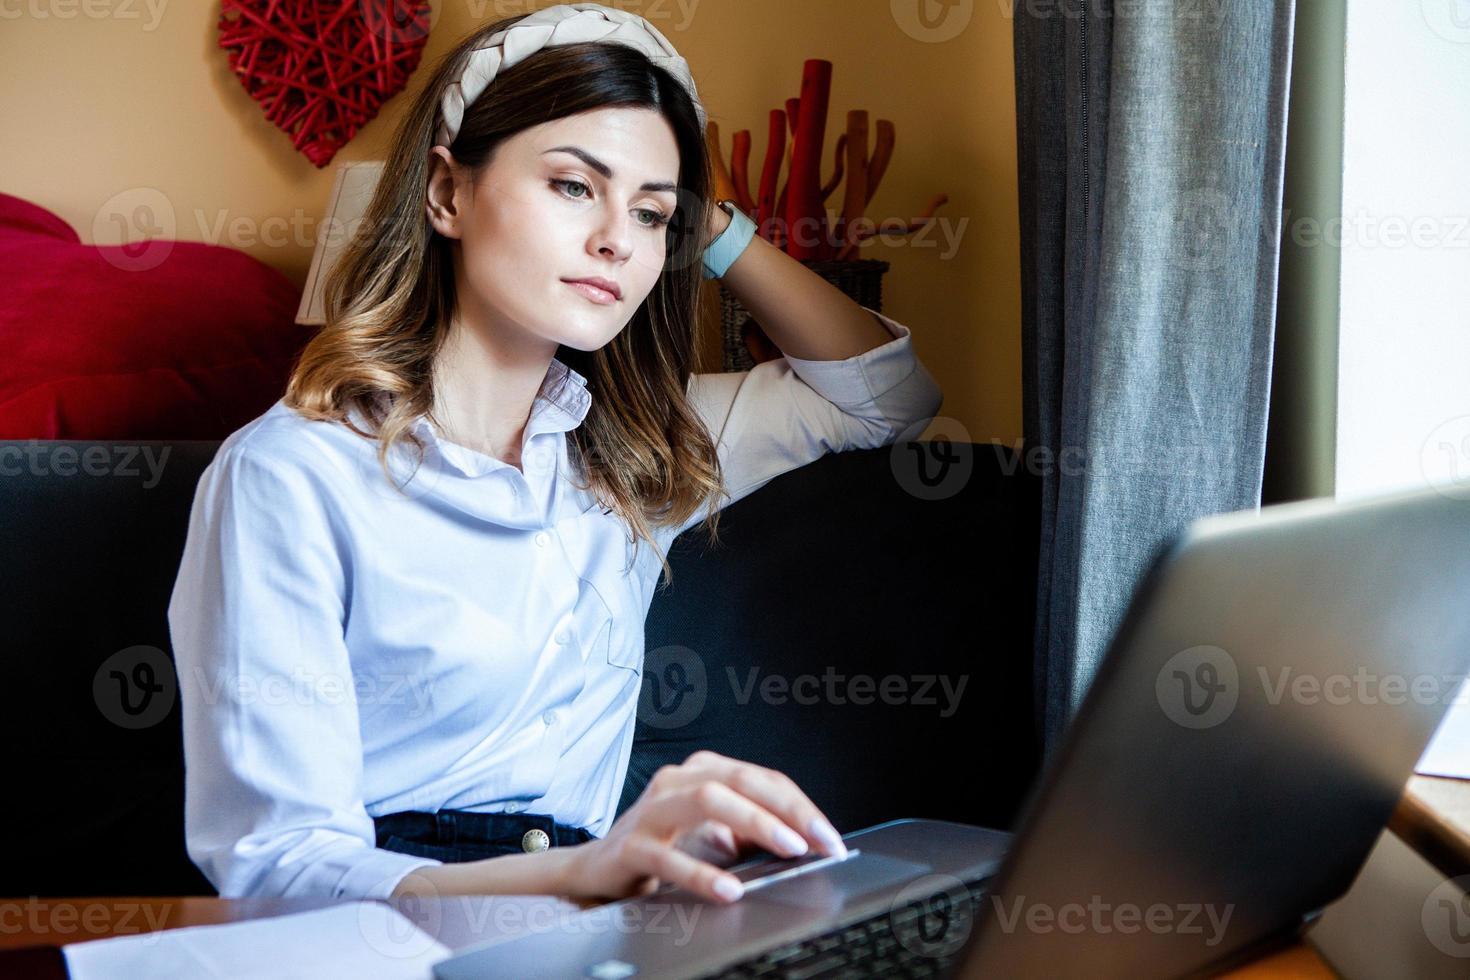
<point x="566" y="23"/>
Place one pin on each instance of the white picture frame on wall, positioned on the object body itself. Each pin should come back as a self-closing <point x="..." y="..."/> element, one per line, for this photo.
<point x="352" y="191"/>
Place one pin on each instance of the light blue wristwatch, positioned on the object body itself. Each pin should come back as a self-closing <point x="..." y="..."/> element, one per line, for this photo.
<point x="723" y="251"/>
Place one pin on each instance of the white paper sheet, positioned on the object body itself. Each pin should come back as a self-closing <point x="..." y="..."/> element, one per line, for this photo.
<point x="354" y="939"/>
<point x="1449" y="751"/>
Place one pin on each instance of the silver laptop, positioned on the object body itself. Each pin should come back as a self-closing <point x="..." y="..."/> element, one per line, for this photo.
<point x="1261" y="706"/>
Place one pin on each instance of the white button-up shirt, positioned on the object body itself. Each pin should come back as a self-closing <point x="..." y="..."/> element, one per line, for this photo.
<point x="346" y="650"/>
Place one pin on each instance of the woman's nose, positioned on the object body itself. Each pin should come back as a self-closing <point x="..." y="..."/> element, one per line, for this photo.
<point x="613" y="237"/>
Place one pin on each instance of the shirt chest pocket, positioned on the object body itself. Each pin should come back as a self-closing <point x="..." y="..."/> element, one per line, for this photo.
<point x="612" y="607"/>
<point x="611" y="628"/>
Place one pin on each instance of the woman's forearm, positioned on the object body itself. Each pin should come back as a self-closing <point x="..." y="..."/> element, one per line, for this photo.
<point x="543" y="873"/>
<point x="803" y="314"/>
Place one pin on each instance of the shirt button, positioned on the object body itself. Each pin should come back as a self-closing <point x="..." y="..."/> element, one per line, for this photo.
<point x="542" y="538"/>
<point x="513" y="807"/>
<point x="535" y="840"/>
<point x="563" y="637"/>
<point x="549" y="717"/>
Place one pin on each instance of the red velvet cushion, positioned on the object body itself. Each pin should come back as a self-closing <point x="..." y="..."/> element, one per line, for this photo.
<point x="158" y="340"/>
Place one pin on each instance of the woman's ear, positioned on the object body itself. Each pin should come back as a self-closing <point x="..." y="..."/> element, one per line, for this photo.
<point x="441" y="197"/>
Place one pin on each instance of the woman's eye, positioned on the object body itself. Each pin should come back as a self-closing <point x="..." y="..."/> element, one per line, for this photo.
<point x="655" y="219"/>
<point x="572" y="183"/>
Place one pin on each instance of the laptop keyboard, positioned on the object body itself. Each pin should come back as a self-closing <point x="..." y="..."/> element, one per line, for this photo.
<point x="922" y="938"/>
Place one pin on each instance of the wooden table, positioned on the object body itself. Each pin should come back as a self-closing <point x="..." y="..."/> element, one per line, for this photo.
<point x="1433" y="818"/>
<point x="48" y="924"/>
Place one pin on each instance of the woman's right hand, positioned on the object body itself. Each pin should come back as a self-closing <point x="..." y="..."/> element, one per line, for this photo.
<point x="708" y="794"/>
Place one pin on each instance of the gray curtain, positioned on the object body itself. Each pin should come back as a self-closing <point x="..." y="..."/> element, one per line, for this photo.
<point x="1151" y="154"/>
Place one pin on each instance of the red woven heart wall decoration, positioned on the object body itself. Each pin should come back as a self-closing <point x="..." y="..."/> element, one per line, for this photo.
<point x="322" y="69"/>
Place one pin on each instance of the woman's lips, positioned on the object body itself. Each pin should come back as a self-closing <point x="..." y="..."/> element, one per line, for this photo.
<point x="596" y="294"/>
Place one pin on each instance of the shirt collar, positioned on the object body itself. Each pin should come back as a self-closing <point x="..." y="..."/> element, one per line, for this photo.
<point x="566" y="391"/>
<point x="560" y="405"/>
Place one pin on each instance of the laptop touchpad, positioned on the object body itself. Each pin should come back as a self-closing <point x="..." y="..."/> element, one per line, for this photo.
<point x="834" y="885"/>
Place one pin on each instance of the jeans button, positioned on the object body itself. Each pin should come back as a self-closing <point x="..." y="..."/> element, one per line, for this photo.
<point x="535" y="840"/>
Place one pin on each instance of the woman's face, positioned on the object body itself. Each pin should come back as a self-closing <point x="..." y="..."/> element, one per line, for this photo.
<point x="586" y="196"/>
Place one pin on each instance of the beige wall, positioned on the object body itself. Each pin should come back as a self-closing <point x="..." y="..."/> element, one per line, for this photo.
<point x="122" y="115"/>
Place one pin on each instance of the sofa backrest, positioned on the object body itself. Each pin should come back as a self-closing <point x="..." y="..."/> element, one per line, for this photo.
<point x="864" y="629"/>
<point x="92" y="534"/>
<point x="839" y="570"/>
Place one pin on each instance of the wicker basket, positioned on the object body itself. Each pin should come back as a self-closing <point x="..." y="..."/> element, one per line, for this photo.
<point x="860" y="279"/>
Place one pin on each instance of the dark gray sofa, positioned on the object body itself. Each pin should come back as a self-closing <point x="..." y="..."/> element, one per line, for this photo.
<point x="882" y="563"/>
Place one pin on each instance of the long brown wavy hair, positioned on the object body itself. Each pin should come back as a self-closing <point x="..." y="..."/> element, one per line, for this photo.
<point x="642" y="450"/>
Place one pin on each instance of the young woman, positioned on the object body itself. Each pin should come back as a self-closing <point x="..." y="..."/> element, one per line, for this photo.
<point x="408" y="623"/>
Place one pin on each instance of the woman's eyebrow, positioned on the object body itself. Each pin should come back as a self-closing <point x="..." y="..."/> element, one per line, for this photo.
<point x="604" y="169"/>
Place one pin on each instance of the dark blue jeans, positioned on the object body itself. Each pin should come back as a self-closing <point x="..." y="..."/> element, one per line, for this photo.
<point x="452" y="836"/>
